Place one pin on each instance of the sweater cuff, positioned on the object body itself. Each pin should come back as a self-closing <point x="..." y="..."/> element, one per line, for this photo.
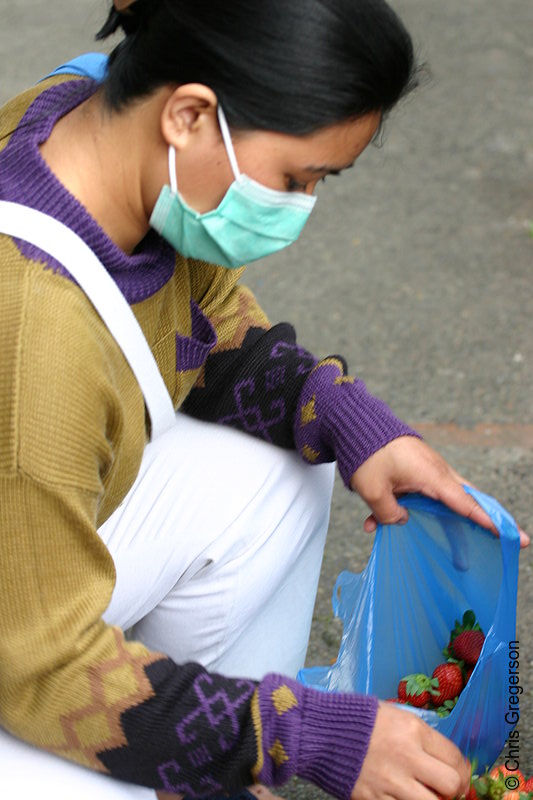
<point x="338" y="419"/>
<point x="319" y="736"/>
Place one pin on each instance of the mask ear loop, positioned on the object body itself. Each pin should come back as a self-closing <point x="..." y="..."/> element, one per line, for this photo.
<point x="172" y="168"/>
<point x="226" y="136"/>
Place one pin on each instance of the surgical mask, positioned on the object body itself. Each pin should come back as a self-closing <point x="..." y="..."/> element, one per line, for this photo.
<point x="252" y="221"/>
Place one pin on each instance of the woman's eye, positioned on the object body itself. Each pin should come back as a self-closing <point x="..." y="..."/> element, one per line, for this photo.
<point x="333" y="172"/>
<point x="295" y="186"/>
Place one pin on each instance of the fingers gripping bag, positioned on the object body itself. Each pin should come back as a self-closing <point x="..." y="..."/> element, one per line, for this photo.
<point x="398" y="613"/>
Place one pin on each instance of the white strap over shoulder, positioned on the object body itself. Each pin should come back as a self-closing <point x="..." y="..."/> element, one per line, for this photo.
<point x="65" y="246"/>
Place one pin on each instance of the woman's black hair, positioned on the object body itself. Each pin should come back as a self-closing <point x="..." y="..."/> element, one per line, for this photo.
<point x="291" y="66"/>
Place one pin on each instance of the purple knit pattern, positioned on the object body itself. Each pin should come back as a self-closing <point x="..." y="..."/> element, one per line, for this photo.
<point x="217" y="709"/>
<point x="337" y="418"/>
<point x="321" y="737"/>
<point x="25" y="178"/>
<point x="259" y="402"/>
<point x="192" y="351"/>
<point x="249" y="416"/>
<point x="305" y="359"/>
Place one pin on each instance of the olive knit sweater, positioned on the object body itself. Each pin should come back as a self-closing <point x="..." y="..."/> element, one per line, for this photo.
<point x="72" y="434"/>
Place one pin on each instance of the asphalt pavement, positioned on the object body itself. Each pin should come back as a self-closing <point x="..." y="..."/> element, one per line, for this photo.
<point x="416" y="265"/>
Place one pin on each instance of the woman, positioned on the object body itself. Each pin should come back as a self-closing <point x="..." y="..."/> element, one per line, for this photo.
<point x="199" y="152"/>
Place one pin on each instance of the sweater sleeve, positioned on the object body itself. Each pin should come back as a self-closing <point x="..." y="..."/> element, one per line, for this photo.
<point x="325" y="735"/>
<point x="260" y="380"/>
<point x="338" y="419"/>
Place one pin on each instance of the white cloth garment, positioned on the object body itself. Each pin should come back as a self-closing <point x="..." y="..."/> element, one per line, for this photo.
<point x="218" y="549"/>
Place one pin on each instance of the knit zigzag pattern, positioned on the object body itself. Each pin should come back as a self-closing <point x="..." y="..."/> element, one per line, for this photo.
<point x="255" y="388"/>
<point x="187" y="752"/>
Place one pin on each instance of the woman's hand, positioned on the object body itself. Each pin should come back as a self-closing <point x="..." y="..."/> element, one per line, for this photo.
<point x="409" y="465"/>
<point x="408" y="760"/>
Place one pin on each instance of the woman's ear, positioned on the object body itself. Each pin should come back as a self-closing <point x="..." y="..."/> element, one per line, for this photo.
<point x="189" y="110"/>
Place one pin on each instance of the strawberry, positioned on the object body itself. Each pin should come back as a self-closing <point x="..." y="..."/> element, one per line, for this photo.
<point x="401" y="690"/>
<point x="472" y="793"/>
<point x="513" y="779"/>
<point x="449" y="679"/>
<point x="480" y="787"/>
<point x="419" y="689"/>
<point x="466" y="639"/>
<point x="487" y="787"/>
<point x="467" y="646"/>
<point x="529" y="785"/>
<point x="467" y="672"/>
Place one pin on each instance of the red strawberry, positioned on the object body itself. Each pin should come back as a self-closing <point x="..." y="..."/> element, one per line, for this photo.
<point x="419" y="689"/>
<point x="513" y="779"/>
<point x="467" y="646"/>
<point x="401" y="690"/>
<point x="529" y="785"/>
<point x="466" y="639"/>
<point x="449" y="679"/>
<point x="492" y="785"/>
<point x="479" y="787"/>
<point x="421" y="700"/>
<point x="468" y="670"/>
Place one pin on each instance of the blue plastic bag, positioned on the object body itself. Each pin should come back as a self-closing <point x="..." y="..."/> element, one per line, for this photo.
<point x="398" y="613"/>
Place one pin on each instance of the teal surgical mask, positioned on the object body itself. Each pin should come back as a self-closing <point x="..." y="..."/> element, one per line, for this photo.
<point x="251" y="221"/>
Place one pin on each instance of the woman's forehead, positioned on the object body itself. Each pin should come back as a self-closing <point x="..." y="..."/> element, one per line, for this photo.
<point x="330" y="149"/>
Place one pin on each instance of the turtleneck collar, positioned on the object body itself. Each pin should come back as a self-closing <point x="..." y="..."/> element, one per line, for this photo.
<point x="26" y="178"/>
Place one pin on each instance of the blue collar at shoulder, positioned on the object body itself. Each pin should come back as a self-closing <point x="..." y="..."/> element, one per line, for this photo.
<point x="88" y="65"/>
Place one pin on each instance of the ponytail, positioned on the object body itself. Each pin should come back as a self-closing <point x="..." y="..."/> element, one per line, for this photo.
<point x="128" y="16"/>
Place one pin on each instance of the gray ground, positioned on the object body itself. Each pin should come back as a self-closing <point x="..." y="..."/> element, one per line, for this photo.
<point x="415" y="265"/>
